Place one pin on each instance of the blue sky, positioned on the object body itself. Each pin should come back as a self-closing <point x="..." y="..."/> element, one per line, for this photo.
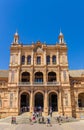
<point x="41" y="20"/>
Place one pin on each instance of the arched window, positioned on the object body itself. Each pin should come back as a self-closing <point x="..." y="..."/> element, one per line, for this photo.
<point x="48" y="60"/>
<point x="29" y="60"/>
<point x="52" y="77"/>
<point x="23" y="60"/>
<point x="25" y="77"/>
<point x="54" y="59"/>
<point x="38" y="60"/>
<point x="39" y="77"/>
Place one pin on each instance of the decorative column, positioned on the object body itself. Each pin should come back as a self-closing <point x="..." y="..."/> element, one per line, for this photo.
<point x="19" y="57"/>
<point x="32" y="58"/>
<point x="45" y="77"/>
<point x="57" y="57"/>
<point x="45" y="103"/>
<point x="50" y="59"/>
<point x="69" y="98"/>
<point x="32" y="72"/>
<point x="18" y="76"/>
<point x="26" y="59"/>
<point x="67" y="103"/>
<point x="58" y="74"/>
<point x="62" y="101"/>
<point x="59" y="103"/>
<point x="76" y="104"/>
<point x="19" y="102"/>
<point x="44" y="57"/>
<point x="31" y="102"/>
<point x="31" y="77"/>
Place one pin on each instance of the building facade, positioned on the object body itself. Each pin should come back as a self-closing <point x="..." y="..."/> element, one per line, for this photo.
<point x="39" y="79"/>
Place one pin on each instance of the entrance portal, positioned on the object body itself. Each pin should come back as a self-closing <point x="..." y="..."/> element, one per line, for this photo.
<point x="24" y="102"/>
<point x="53" y="101"/>
<point x="39" y="101"/>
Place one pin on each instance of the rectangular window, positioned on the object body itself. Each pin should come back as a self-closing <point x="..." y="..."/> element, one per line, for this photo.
<point x="38" y="60"/>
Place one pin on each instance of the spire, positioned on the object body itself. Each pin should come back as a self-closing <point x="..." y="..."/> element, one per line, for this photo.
<point x="61" y="37"/>
<point x="16" y="38"/>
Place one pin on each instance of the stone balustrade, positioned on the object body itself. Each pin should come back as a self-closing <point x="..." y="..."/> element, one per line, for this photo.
<point x="39" y="84"/>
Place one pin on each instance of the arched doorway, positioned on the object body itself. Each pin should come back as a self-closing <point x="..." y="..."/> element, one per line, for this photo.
<point x="24" y="102"/>
<point x="39" y="77"/>
<point x="81" y="100"/>
<point x="53" y="101"/>
<point x="25" y="77"/>
<point x="52" y="77"/>
<point x="38" y="101"/>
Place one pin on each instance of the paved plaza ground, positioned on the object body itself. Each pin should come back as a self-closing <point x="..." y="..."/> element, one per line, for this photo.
<point x="79" y="125"/>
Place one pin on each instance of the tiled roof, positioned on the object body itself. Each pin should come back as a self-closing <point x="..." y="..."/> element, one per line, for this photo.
<point x="4" y="73"/>
<point x="76" y="73"/>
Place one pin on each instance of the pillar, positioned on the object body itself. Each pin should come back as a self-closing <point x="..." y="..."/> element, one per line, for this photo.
<point x="19" y="57"/>
<point x="18" y="76"/>
<point x="45" y="77"/>
<point x="46" y="103"/>
<point x="76" y="105"/>
<point x="59" y="103"/>
<point x="31" y="102"/>
<point x="32" y="58"/>
<point x="44" y="57"/>
<point x="57" y="57"/>
<point x="26" y="59"/>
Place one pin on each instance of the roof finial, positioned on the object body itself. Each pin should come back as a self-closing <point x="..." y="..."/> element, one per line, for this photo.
<point x="16" y="32"/>
<point x="60" y="29"/>
<point x="60" y="34"/>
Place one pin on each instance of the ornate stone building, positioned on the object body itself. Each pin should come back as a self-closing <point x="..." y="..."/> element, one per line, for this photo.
<point x="39" y="79"/>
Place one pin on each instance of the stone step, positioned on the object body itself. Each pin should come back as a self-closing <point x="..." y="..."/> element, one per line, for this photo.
<point x="25" y="119"/>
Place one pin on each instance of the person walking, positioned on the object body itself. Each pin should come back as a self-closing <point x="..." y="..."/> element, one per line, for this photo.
<point x="49" y="121"/>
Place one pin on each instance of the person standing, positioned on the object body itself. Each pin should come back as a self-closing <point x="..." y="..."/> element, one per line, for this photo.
<point x="49" y="121"/>
<point x="51" y="111"/>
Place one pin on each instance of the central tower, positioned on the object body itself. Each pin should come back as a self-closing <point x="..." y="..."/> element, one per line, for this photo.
<point x="39" y="77"/>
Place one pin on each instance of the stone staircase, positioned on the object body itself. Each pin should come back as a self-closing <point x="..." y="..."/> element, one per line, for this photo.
<point x="25" y="119"/>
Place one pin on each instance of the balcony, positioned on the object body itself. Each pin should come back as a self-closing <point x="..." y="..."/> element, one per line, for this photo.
<point x="39" y="84"/>
<point x="24" y="84"/>
<point x="53" y="83"/>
